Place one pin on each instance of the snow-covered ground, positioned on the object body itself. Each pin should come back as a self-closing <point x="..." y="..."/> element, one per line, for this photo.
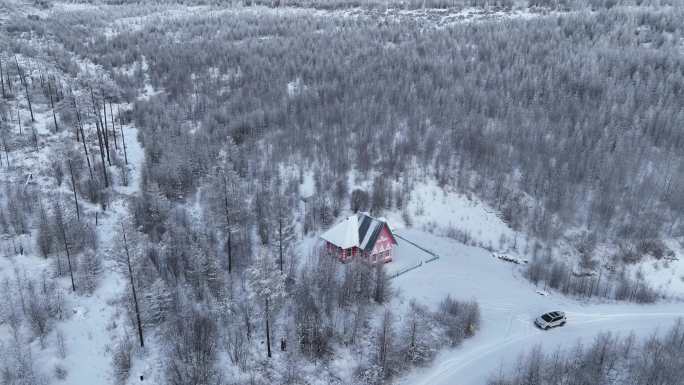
<point x="508" y="305"/>
<point x="407" y="256"/>
<point x="666" y="274"/>
<point x="439" y="209"/>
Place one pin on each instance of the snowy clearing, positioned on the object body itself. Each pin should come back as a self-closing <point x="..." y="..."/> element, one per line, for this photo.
<point x="509" y="305"/>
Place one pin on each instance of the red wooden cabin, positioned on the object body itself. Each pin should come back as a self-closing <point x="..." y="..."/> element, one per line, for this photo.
<point x="361" y="235"/>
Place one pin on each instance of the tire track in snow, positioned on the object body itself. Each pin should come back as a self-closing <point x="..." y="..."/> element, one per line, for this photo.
<point x="467" y="360"/>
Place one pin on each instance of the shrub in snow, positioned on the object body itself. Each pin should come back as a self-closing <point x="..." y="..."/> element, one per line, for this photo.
<point x="94" y="189"/>
<point x="311" y="323"/>
<point x="237" y="347"/>
<point x="61" y="344"/>
<point x="420" y="342"/>
<point x="121" y="360"/>
<point x="60" y="372"/>
<point x="157" y="302"/>
<point x="17" y="366"/>
<point x="654" y="247"/>
<point x="607" y="283"/>
<point x="45" y="236"/>
<point x="89" y="271"/>
<point x="369" y="375"/>
<point x="193" y="355"/>
<point x="45" y="303"/>
<point x="459" y="319"/>
<point x="406" y="217"/>
<point x="57" y="171"/>
<point x="459" y="235"/>
<point x="18" y="205"/>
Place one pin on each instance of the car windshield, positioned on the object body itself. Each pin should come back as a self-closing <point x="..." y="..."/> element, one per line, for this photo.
<point x="547" y="317"/>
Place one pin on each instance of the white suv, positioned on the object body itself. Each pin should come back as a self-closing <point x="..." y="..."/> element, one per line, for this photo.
<point x="551" y="320"/>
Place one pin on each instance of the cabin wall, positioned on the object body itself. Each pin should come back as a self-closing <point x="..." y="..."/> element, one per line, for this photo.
<point x="342" y="254"/>
<point x="383" y="248"/>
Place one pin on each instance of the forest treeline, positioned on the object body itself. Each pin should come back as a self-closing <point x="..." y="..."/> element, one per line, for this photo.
<point x="559" y="122"/>
<point x="408" y="5"/>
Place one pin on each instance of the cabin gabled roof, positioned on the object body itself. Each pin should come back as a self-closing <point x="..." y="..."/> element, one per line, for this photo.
<point x="360" y="230"/>
<point x="344" y="234"/>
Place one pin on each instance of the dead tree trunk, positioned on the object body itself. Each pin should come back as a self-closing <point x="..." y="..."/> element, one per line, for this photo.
<point x="103" y="125"/>
<point x="34" y="138"/>
<point x="61" y="226"/>
<point x="111" y="114"/>
<point x="9" y="83"/>
<point x="384" y="340"/>
<point x="106" y="126"/>
<point x="102" y="137"/>
<point x="2" y="81"/>
<point x="102" y="155"/>
<point x="83" y="138"/>
<point x="19" y="118"/>
<point x="52" y="105"/>
<point x="73" y="186"/>
<point x="268" y="331"/>
<point x="22" y="78"/>
<point x="135" y="296"/>
<point x="280" y="240"/>
<point x="78" y="115"/>
<point x="226" y="204"/>
<point x="4" y="144"/>
<point x="61" y="91"/>
<point x="123" y="139"/>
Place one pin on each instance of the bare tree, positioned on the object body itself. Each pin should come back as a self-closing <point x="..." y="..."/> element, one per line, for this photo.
<point x="61" y="226"/>
<point x="25" y="83"/>
<point x="2" y="80"/>
<point x="385" y="341"/>
<point x="73" y="187"/>
<point x="52" y="105"/>
<point x="133" y="292"/>
<point x="123" y="139"/>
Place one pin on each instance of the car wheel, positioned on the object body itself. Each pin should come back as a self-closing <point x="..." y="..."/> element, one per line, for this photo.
<point x="562" y="323"/>
<point x="546" y="327"/>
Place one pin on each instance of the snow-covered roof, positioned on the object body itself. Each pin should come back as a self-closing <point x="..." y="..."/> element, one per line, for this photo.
<point x="372" y="227"/>
<point x="344" y="234"/>
<point x="360" y="230"/>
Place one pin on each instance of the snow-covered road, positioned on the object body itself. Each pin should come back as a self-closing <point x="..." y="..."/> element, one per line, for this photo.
<point x="509" y="304"/>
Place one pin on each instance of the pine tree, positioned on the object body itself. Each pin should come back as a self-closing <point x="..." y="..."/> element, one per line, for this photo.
<point x="157" y="303"/>
<point x="284" y="232"/>
<point x="267" y="285"/>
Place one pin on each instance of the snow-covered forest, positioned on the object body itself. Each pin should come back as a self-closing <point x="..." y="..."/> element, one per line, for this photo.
<point x="167" y="169"/>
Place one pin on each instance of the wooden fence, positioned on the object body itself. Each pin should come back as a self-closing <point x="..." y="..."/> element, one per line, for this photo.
<point x="405" y="270"/>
